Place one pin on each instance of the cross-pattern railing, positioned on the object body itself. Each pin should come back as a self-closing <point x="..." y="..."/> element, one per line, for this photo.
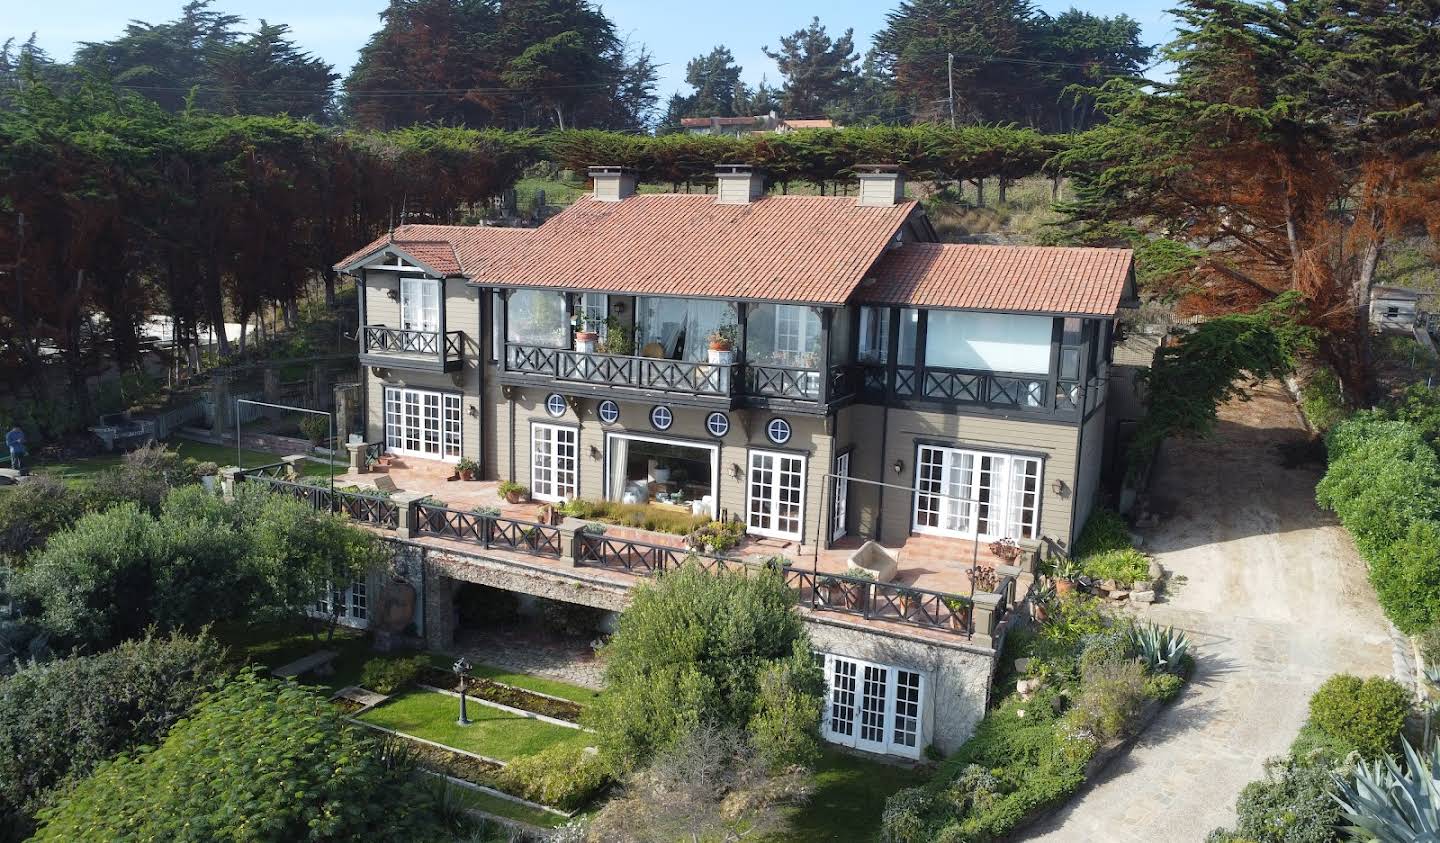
<point x="968" y="386"/>
<point x="782" y="382"/>
<point x="619" y="370"/>
<point x="445" y="347"/>
<point x="486" y="530"/>
<point x="358" y="506"/>
<point x="635" y="557"/>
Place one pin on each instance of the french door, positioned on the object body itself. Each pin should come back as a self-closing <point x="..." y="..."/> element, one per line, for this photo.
<point x="873" y="707"/>
<point x="775" y="504"/>
<point x="974" y="493"/>
<point x="553" y="462"/>
<point x="422" y="423"/>
<point x="840" y="508"/>
<point x="420" y="304"/>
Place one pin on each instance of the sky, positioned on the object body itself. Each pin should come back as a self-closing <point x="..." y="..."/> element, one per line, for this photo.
<point x="674" y="32"/>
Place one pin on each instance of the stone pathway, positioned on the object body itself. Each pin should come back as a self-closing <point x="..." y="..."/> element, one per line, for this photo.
<point x="1275" y="600"/>
<point x="526" y="651"/>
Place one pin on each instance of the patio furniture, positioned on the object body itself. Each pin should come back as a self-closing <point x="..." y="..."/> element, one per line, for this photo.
<point x="876" y="560"/>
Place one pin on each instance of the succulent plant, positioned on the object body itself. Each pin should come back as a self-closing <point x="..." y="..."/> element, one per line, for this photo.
<point x="1159" y="647"/>
<point x="1390" y="803"/>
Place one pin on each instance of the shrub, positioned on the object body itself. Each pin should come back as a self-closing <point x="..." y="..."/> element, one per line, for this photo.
<point x="1419" y="406"/>
<point x="1292" y="804"/>
<point x="1104" y="531"/>
<point x="692" y="649"/>
<point x="60" y="718"/>
<point x="509" y="487"/>
<point x="564" y="777"/>
<point x="716" y="536"/>
<point x="33" y="511"/>
<point x="1406" y="577"/>
<point x="1315" y="746"/>
<point x="1382" y="477"/>
<point x="787" y="708"/>
<point x="1322" y="400"/>
<point x="1429" y="642"/>
<point x="1105" y="647"/>
<point x="283" y="753"/>
<point x="388" y="675"/>
<point x="905" y="817"/>
<point x="1163" y="686"/>
<point x="315" y="428"/>
<point x="1160" y="648"/>
<point x="1111" y="694"/>
<point x="1367" y="714"/>
<point x="1125" y="566"/>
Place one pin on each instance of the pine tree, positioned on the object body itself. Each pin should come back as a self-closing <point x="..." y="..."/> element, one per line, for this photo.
<point x="819" y="72"/>
<point x="716" y="79"/>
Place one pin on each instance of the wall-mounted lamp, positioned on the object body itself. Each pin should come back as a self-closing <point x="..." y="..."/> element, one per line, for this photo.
<point x="1059" y="488"/>
<point x="735" y="470"/>
<point x="898" y="466"/>
<point x="619" y="307"/>
<point x="473" y="410"/>
<point x="393" y="295"/>
<point x="594" y="452"/>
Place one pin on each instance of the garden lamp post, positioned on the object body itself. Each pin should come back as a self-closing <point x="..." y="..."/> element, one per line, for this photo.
<point x="461" y="668"/>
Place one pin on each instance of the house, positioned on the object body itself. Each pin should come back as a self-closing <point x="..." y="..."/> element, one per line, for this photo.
<point x="1394" y="308"/>
<point x="819" y="368"/>
<point x="757" y="125"/>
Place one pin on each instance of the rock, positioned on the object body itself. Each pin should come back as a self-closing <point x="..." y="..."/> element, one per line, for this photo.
<point x="1156" y="572"/>
<point x="1022" y="665"/>
<point x="1110" y="585"/>
<point x="1119" y="594"/>
<point x="1142" y="597"/>
<point x="1143" y="585"/>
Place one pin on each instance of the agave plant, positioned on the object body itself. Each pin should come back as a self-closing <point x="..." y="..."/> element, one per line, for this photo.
<point x="1389" y="803"/>
<point x="1159" y="647"/>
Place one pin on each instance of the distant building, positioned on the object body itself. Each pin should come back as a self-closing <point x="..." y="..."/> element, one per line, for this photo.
<point x="1394" y="308"/>
<point x="758" y="125"/>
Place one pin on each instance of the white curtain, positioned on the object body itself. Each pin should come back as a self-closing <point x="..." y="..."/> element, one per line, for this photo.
<point x="704" y="318"/>
<point x="995" y="342"/>
<point x="619" y="456"/>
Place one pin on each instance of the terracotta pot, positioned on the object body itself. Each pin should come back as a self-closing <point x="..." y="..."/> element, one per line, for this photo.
<point x="959" y="622"/>
<point x="514" y="497"/>
<point x="467" y="474"/>
<point x="1064" y="586"/>
<point x="721" y="345"/>
<point x="907" y="606"/>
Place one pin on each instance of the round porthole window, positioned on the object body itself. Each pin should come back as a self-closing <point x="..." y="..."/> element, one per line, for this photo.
<point x="555" y="405"/>
<point x="608" y="411"/>
<point x="661" y="417"/>
<point x="718" y="424"/>
<point x="778" y="430"/>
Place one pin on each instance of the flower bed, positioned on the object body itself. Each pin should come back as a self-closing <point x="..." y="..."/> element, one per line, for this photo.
<point x="491" y="691"/>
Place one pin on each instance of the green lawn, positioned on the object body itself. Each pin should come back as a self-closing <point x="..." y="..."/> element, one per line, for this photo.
<point x="272" y="645"/>
<point x="850" y="794"/>
<point x="492" y="732"/>
<point x="87" y="467"/>
<point x="563" y="690"/>
<point x="505" y="808"/>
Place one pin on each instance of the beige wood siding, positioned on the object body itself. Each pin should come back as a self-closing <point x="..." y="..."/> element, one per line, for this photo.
<point x="1087" y="481"/>
<point x="1055" y="441"/>
<point x="380" y="309"/>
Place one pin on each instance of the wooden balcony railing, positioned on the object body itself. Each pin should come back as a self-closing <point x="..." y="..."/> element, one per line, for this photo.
<point x="444" y="348"/>
<point x="968" y="386"/>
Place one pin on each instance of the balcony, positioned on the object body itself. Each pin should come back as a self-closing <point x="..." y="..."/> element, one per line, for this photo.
<point x="997" y="390"/>
<point x="399" y="348"/>
<point x="704" y="383"/>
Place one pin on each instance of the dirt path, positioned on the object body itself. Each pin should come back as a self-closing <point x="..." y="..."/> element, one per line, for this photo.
<point x="1275" y="600"/>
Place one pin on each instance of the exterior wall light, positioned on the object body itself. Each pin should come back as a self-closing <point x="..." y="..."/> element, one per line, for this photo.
<point x="1059" y="488"/>
<point x="898" y="466"/>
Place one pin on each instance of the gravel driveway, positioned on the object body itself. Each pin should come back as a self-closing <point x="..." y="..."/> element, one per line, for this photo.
<point x="1274" y="598"/>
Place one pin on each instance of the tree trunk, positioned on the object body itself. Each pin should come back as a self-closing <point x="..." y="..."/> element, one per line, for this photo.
<point x="215" y="305"/>
<point x="328" y="274"/>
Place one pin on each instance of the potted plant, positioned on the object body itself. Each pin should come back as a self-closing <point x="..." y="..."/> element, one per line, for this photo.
<point x="722" y="344"/>
<point x="585" y="337"/>
<point x="1065" y="573"/>
<point x="959" y="612"/>
<point x="661" y="473"/>
<point x="512" y="492"/>
<point x="830" y="590"/>
<point x="468" y="469"/>
<point x="1005" y="549"/>
<point x="909" y="602"/>
<point x="855" y="592"/>
<point x="619" y="338"/>
<point x="1044" y="599"/>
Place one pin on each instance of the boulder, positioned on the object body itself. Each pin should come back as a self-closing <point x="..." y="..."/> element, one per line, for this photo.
<point x="1119" y="594"/>
<point x="1142" y="596"/>
<point x="1022" y="666"/>
<point x="1143" y="585"/>
<point x="1156" y="572"/>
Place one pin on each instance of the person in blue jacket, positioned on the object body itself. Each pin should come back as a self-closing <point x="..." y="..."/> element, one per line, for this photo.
<point x="15" y="441"/>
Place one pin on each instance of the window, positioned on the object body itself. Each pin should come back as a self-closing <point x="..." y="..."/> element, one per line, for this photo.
<point x="778" y="430"/>
<point x="661" y="418"/>
<point x="591" y="311"/>
<point x="994" y="342"/>
<point x="909" y="336"/>
<point x="641" y="470"/>
<point x="537" y="317"/>
<point x="679" y="329"/>
<point x="974" y="493"/>
<point x="359" y="608"/>
<point x="874" y="347"/>
<point x="608" y="411"/>
<point x="874" y="707"/>
<point x="783" y="335"/>
<point x="420" y="304"/>
<point x="718" y="424"/>
<point x="497" y="328"/>
<point x="350" y="604"/>
<point x="553" y="462"/>
<point x="840" y="499"/>
<point x="555" y="404"/>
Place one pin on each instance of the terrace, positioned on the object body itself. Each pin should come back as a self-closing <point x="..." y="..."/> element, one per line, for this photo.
<point x="932" y="594"/>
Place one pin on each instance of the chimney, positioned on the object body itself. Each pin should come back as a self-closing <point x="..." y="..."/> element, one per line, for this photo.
<point x="613" y="184"/>
<point x="880" y="185"/>
<point x="738" y="184"/>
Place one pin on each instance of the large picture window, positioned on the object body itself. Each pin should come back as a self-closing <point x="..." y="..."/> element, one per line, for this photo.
<point x="783" y="335"/>
<point x="995" y="342"/>
<point x="537" y="317"/>
<point x="679" y="329"/>
<point x="667" y="473"/>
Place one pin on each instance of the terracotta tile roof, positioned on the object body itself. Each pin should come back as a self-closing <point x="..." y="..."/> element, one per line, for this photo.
<point x="778" y="248"/>
<point x="694" y="121"/>
<point x="443" y="248"/>
<point x="1040" y="279"/>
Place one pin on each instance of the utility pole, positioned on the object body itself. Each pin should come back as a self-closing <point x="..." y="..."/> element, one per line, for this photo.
<point x="950" y="75"/>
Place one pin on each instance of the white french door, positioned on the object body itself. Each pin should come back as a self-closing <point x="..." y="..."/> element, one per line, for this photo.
<point x="775" y="504"/>
<point x="975" y="493"/>
<point x="873" y="707"/>
<point x="840" y="507"/>
<point x="422" y="423"/>
<point x="420" y="304"/>
<point x="553" y="462"/>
